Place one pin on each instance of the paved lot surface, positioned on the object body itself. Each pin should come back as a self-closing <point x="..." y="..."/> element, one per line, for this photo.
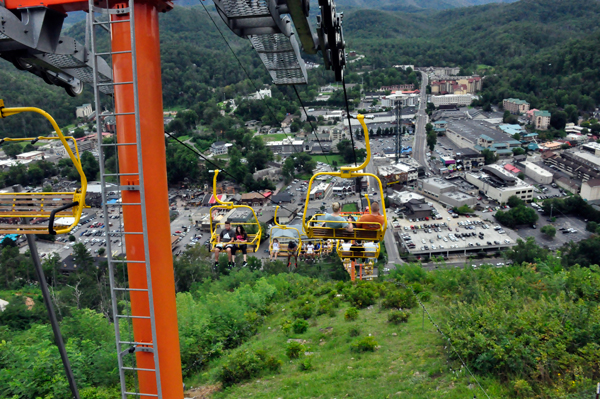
<point x="448" y="246"/>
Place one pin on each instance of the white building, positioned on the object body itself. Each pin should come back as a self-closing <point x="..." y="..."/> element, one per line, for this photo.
<point x="498" y="184"/>
<point x="287" y="146"/>
<point x="537" y="173"/>
<point x="260" y="95"/>
<point x="592" y="147"/>
<point x="31" y="155"/>
<point x="406" y="100"/>
<point x="590" y="190"/>
<point x="83" y="111"/>
<point x="452" y="99"/>
<point x="220" y="148"/>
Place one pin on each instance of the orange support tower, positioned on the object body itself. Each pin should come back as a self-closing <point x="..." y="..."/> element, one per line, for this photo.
<point x="151" y="143"/>
<point x="157" y="206"/>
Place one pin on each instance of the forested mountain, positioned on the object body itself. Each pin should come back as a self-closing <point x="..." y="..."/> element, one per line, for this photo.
<point x="412" y="5"/>
<point x="504" y="39"/>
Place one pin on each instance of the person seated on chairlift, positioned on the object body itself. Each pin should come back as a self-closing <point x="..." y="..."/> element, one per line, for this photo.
<point x="227" y="235"/>
<point x="335" y="220"/>
<point x="374" y="216"/>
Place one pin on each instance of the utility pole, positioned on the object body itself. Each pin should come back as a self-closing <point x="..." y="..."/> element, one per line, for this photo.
<point x="551" y="209"/>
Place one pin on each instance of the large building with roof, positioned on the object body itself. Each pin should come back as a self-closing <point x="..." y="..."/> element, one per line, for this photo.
<point x="444" y="191"/>
<point x="459" y="100"/>
<point x="515" y="106"/>
<point x="499" y="184"/>
<point x="541" y="120"/>
<point x="590" y="190"/>
<point x="287" y="146"/>
<point x="536" y="172"/>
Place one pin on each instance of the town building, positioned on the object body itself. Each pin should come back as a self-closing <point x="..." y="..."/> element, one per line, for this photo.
<point x="320" y="190"/>
<point x="31" y="156"/>
<point x="468" y="158"/>
<point x="460" y="100"/>
<point x="336" y="134"/>
<point x="550" y="146"/>
<point x="254" y="199"/>
<point x="83" y="111"/>
<point x="403" y="99"/>
<point x="515" y="106"/>
<point x="417" y="208"/>
<point x="541" y="120"/>
<point x="590" y="190"/>
<point x="407" y="87"/>
<point x="592" y="147"/>
<point x="574" y="166"/>
<point x="536" y="172"/>
<point x="273" y="172"/>
<point x="287" y="146"/>
<point x="457" y="85"/>
<point x="439" y="71"/>
<point x="260" y="95"/>
<point x="220" y="148"/>
<point x="444" y="191"/>
<point x="398" y="173"/>
<point x="498" y="184"/>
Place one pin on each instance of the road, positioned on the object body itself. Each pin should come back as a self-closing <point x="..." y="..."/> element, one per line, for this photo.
<point x="390" y="244"/>
<point x="419" y="149"/>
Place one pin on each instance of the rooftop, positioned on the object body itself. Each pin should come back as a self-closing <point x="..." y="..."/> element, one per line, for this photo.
<point x="517" y="101"/>
<point x="542" y="113"/>
<point x="511" y="129"/>
<point x="538" y="169"/>
<point x="471" y="130"/>
<point x="593" y="182"/>
<point x="438" y="182"/>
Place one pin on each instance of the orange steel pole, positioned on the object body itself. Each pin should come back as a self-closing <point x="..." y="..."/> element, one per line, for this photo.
<point x="156" y="190"/>
<point x="352" y="270"/>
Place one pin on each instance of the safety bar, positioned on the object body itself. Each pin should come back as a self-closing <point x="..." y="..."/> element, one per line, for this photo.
<point x="53" y="214"/>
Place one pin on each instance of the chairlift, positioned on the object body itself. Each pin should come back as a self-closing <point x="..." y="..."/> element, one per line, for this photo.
<point x="18" y="207"/>
<point x="315" y="227"/>
<point x="215" y="225"/>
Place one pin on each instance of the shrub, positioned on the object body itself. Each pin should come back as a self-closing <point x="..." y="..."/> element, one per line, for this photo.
<point x="323" y="308"/>
<point x="424" y="296"/>
<point x="398" y="316"/>
<point x="304" y="311"/>
<point x="332" y="312"/>
<point x="351" y="314"/>
<point x="286" y="327"/>
<point x="523" y="389"/>
<point x="306" y="364"/>
<point x="361" y="296"/>
<point x="354" y="332"/>
<point x="300" y="326"/>
<point x="294" y="349"/>
<point x="399" y="299"/>
<point x="244" y="365"/>
<point x="364" y="344"/>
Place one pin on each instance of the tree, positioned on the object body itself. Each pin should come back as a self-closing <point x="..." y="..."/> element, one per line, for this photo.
<point x="526" y="251"/>
<point x="549" y="230"/>
<point x="89" y="165"/>
<point x="12" y="149"/>
<point x="72" y="238"/>
<point x="514" y="201"/>
<point x="305" y="163"/>
<point x="490" y="156"/>
<point x="431" y="140"/>
<point x="288" y="169"/>
<point x="518" y="151"/>
<point x="101" y="251"/>
<point x="558" y="120"/>
<point x="520" y="215"/>
<point x="463" y="210"/>
<point x="521" y="175"/>
<point x="78" y="133"/>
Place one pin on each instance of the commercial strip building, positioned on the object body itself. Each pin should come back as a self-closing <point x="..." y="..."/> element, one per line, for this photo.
<point x="590" y="190"/>
<point x="468" y="158"/>
<point x="536" y="172"/>
<point x="457" y="85"/>
<point x="397" y="173"/>
<point x="444" y="191"/>
<point x="498" y="184"/>
<point x="573" y="165"/>
<point x="515" y="106"/>
<point x="287" y="146"/>
<point x="460" y="100"/>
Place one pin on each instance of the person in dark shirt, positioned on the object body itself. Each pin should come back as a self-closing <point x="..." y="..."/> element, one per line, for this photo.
<point x="241" y="239"/>
<point x="292" y="250"/>
<point x="224" y="240"/>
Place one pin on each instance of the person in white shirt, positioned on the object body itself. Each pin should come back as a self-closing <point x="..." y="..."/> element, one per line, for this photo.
<point x="275" y="250"/>
<point x="310" y="250"/>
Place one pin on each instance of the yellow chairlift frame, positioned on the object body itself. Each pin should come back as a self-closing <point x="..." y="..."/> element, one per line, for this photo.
<point x="42" y="205"/>
<point x="282" y="251"/>
<point x="312" y="227"/>
<point x="354" y="252"/>
<point x="253" y="239"/>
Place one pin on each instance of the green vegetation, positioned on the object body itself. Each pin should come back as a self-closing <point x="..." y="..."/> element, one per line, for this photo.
<point x="519" y="214"/>
<point x="274" y="137"/>
<point x="349" y="154"/>
<point x="549" y="231"/>
<point x="463" y="210"/>
<point x="330" y="159"/>
<point x="352" y="207"/>
<point x="431" y="136"/>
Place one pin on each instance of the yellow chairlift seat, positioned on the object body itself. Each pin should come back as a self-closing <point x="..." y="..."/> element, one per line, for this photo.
<point x="284" y="234"/>
<point x="253" y="238"/>
<point x="316" y="226"/>
<point x="17" y="208"/>
<point x="367" y="250"/>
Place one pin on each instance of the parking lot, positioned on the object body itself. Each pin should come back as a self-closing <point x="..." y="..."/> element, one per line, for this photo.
<point x="450" y="236"/>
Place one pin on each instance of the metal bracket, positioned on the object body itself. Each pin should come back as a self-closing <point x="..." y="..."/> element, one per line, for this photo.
<point x="136" y="348"/>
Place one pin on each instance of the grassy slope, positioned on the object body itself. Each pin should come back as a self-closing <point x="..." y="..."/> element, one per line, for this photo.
<point x="411" y="364"/>
<point x="329" y="158"/>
